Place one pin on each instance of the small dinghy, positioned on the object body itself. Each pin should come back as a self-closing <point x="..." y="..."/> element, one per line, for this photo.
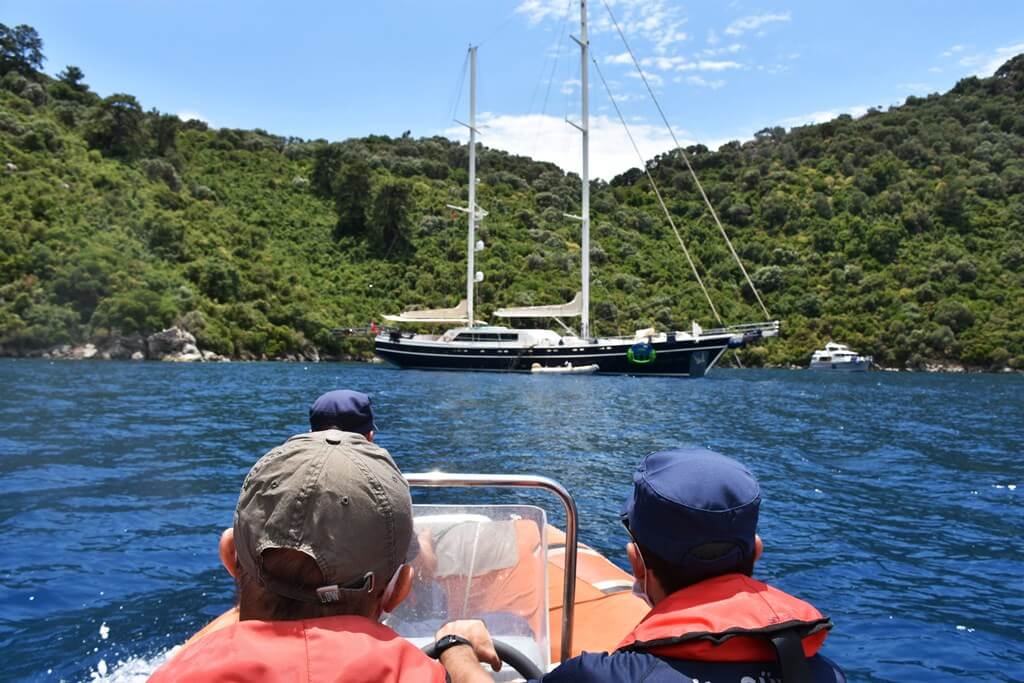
<point x="567" y="369"/>
<point x="540" y="591"/>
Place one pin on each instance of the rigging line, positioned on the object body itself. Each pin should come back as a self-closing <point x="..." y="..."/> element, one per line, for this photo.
<point x="497" y="29"/>
<point x="462" y="81"/>
<point x="554" y="62"/>
<point x="657" y="194"/>
<point x="551" y="77"/>
<point x="686" y="158"/>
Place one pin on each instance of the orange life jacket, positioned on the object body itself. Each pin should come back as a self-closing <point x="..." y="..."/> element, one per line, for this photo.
<point x="330" y="649"/>
<point x="730" y="618"/>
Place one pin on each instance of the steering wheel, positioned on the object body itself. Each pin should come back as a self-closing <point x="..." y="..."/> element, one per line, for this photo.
<point x="523" y="665"/>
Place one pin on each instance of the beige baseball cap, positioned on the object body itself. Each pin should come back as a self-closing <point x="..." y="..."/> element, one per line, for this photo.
<point x="334" y="496"/>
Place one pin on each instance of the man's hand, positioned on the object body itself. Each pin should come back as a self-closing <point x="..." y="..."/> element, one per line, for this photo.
<point x="455" y="660"/>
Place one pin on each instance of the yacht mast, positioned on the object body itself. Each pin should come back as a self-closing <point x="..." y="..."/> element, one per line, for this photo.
<point x="585" y="177"/>
<point x="471" y="240"/>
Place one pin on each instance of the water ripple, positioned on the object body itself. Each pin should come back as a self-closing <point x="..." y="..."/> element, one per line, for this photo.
<point x="890" y="500"/>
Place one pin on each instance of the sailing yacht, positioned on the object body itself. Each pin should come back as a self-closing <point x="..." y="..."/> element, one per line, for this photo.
<point x="474" y="345"/>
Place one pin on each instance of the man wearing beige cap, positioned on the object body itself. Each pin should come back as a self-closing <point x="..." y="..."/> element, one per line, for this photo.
<point x="318" y="552"/>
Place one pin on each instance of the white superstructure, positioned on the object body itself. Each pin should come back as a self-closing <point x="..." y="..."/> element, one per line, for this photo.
<point x="839" y="357"/>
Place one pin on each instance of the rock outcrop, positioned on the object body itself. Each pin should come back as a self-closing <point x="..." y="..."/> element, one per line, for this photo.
<point x="122" y="347"/>
<point x="69" y="352"/>
<point x="173" y="344"/>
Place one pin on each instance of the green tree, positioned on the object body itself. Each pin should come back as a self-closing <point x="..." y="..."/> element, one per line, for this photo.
<point x="389" y="214"/>
<point x="72" y="76"/>
<point x="884" y="241"/>
<point x="21" y="50"/>
<point x="327" y="162"/>
<point x="351" y="191"/>
<point x="165" y="131"/>
<point x="115" y="127"/>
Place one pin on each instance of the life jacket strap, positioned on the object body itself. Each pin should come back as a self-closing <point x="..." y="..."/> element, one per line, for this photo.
<point x="789" y="650"/>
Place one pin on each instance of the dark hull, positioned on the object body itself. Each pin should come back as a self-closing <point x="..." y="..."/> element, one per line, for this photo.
<point x="686" y="358"/>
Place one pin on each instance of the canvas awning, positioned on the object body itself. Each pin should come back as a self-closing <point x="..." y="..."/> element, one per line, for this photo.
<point x="434" y="315"/>
<point x="572" y="309"/>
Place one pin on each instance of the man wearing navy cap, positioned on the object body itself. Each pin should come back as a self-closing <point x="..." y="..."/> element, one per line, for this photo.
<point x="692" y="517"/>
<point x="349" y="411"/>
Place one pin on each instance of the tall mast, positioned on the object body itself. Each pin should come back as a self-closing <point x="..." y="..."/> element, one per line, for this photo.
<point x="471" y="240"/>
<point x="585" y="200"/>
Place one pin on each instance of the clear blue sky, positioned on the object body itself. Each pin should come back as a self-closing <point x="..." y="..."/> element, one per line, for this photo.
<point x="340" y="69"/>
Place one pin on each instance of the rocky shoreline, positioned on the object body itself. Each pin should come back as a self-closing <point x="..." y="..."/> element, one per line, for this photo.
<point x="176" y="345"/>
<point x="173" y="345"/>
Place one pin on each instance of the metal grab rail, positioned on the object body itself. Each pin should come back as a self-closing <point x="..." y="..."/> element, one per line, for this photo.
<point x="525" y="481"/>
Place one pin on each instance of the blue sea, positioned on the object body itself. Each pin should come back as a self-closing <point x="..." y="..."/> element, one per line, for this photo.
<point x="893" y="502"/>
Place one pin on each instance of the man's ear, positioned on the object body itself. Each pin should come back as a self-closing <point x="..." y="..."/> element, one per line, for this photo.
<point x="636" y="563"/>
<point x="228" y="556"/>
<point x="402" y="587"/>
<point x="758" y="548"/>
<point x="369" y="435"/>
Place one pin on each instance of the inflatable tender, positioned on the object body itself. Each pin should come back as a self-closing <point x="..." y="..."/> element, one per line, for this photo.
<point x="605" y="608"/>
<point x="567" y="369"/>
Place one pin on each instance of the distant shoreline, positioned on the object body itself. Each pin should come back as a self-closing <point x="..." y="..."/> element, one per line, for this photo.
<point x="84" y="353"/>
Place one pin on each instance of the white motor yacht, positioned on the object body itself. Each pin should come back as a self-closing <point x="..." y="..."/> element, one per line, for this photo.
<point x="841" y="358"/>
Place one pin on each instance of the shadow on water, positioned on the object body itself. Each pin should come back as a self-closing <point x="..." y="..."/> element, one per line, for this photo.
<point x="890" y="501"/>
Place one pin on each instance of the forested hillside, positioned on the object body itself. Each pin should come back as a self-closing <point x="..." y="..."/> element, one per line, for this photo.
<point x="899" y="232"/>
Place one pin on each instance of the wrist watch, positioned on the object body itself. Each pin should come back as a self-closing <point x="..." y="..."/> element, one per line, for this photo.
<point x="448" y="642"/>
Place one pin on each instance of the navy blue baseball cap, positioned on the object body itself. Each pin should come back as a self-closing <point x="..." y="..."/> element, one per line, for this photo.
<point x="688" y="497"/>
<point x="349" y="411"/>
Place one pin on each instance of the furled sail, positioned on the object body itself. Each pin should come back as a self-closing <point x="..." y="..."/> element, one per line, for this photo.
<point x="572" y="309"/>
<point x="436" y="315"/>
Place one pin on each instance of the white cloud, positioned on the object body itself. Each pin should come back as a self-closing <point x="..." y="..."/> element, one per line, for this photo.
<point x="700" y="82"/>
<point x="570" y="86"/>
<point x="711" y="65"/>
<point x="953" y="50"/>
<point x="549" y="138"/>
<point x="935" y="70"/>
<point x="708" y="65"/>
<point x="192" y="116"/>
<point x="658" y="22"/>
<point x="725" y="50"/>
<point x="663" y="63"/>
<point x="855" y="111"/>
<point x="712" y="37"/>
<point x="621" y="58"/>
<point x="654" y="79"/>
<point x="986" y="64"/>
<point x="539" y="10"/>
<point x="754" y="21"/>
<point x="629" y="97"/>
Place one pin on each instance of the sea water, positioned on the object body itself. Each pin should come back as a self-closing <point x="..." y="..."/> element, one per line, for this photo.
<point x="893" y="502"/>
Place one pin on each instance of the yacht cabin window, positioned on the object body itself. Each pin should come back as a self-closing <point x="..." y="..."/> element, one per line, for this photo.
<point x="487" y="337"/>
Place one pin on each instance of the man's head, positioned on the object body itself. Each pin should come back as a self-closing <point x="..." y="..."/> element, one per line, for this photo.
<point x="692" y="515"/>
<point x="349" y="411"/>
<point x="322" y="527"/>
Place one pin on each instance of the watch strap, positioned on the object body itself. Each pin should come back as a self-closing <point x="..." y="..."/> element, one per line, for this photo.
<point x="448" y="642"/>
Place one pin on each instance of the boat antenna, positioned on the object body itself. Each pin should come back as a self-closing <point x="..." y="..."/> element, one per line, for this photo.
<point x="686" y="158"/>
<point x="657" y="194"/>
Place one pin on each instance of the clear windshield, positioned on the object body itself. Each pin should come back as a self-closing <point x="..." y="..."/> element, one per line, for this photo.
<point x="485" y="562"/>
